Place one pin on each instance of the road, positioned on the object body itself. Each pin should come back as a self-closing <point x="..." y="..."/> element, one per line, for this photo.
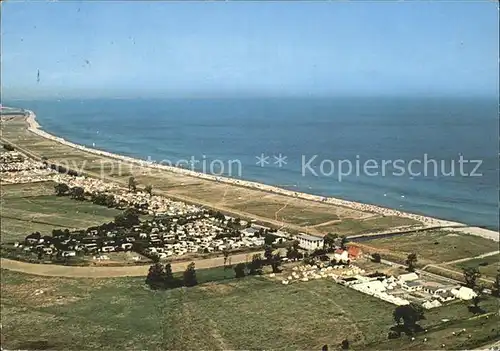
<point x="492" y="253"/>
<point x="53" y="270"/>
<point x="422" y="272"/>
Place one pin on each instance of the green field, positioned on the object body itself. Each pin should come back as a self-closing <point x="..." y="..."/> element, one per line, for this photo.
<point x="26" y="208"/>
<point x="488" y="266"/>
<point x="432" y="246"/>
<point x="253" y="313"/>
<point x="349" y="226"/>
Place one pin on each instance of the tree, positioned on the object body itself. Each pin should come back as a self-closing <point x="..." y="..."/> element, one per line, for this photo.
<point x="324" y="348"/>
<point x="225" y="252"/>
<point x="255" y="267"/>
<point x="269" y="239"/>
<point x="128" y="218"/>
<point x="292" y="252"/>
<point x="8" y="147"/>
<point x="343" y="242"/>
<point x="376" y="257"/>
<point x="410" y="315"/>
<point x="276" y="263"/>
<point x="77" y="193"/>
<point x="268" y="253"/>
<point x="190" y="275"/>
<point x="132" y="184"/>
<point x="149" y="189"/>
<point x="61" y="189"/>
<point x="411" y="260"/>
<point x="329" y="240"/>
<point x="110" y="200"/>
<point x="345" y="344"/>
<point x="99" y="199"/>
<point x="239" y="270"/>
<point x="496" y="286"/>
<point x="170" y="281"/>
<point x="471" y="275"/>
<point x="155" y="277"/>
<point x="35" y="236"/>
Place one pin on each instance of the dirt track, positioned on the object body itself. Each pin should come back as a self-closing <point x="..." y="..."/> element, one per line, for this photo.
<point x="52" y="270"/>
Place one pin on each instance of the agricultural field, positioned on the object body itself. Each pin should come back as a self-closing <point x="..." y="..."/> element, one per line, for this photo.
<point x="251" y="313"/>
<point x="26" y="208"/>
<point x="433" y="246"/>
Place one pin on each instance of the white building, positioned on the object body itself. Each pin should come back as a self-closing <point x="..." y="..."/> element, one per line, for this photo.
<point x="464" y="293"/>
<point x="408" y="277"/>
<point x="309" y="242"/>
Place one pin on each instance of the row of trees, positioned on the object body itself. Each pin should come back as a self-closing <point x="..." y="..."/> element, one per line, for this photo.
<point x="161" y="277"/>
<point x="77" y="193"/>
<point x="330" y="240"/>
<point x="258" y="262"/>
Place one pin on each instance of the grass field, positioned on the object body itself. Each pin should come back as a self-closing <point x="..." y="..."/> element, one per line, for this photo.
<point x="253" y="313"/>
<point x="432" y="246"/>
<point x="247" y="202"/>
<point x="488" y="266"/>
<point x="34" y="207"/>
<point x="349" y="226"/>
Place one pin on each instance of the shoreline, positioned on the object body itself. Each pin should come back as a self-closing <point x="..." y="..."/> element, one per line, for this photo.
<point x="34" y="127"/>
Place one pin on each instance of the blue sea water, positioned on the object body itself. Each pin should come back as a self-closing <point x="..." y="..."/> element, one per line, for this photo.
<point x="334" y="129"/>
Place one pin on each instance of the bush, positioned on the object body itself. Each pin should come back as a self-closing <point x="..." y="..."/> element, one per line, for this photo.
<point x="8" y="147"/>
<point x="376" y="257"/>
<point x="393" y="335"/>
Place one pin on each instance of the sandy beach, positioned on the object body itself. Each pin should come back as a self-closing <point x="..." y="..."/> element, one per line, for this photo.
<point x="35" y="127"/>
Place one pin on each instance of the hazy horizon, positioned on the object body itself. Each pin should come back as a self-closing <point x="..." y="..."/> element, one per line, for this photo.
<point x="248" y="49"/>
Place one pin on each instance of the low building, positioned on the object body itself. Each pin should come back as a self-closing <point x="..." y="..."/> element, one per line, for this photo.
<point x="309" y="242"/>
<point x="408" y="277"/>
<point x="464" y="293"/>
<point x="354" y="252"/>
<point x="412" y="286"/>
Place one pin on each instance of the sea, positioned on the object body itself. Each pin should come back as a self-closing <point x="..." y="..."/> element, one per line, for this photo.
<point x="426" y="155"/>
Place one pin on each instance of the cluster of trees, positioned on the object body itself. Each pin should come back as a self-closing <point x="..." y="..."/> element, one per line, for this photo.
<point x="8" y="147"/>
<point x="77" y="192"/>
<point x="471" y="277"/>
<point x="406" y="318"/>
<point x="330" y="241"/>
<point x="258" y="262"/>
<point x="62" y="169"/>
<point x="293" y="253"/>
<point x="132" y="186"/>
<point x="128" y="218"/>
<point x="103" y="199"/>
<point x="161" y="277"/>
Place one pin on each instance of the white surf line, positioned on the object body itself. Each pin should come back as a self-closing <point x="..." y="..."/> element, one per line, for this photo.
<point x="34" y="127"/>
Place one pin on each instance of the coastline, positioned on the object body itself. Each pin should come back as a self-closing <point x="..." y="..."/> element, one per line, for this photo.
<point x="34" y="127"/>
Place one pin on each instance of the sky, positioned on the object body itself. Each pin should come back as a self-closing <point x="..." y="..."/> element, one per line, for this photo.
<point x="217" y="49"/>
